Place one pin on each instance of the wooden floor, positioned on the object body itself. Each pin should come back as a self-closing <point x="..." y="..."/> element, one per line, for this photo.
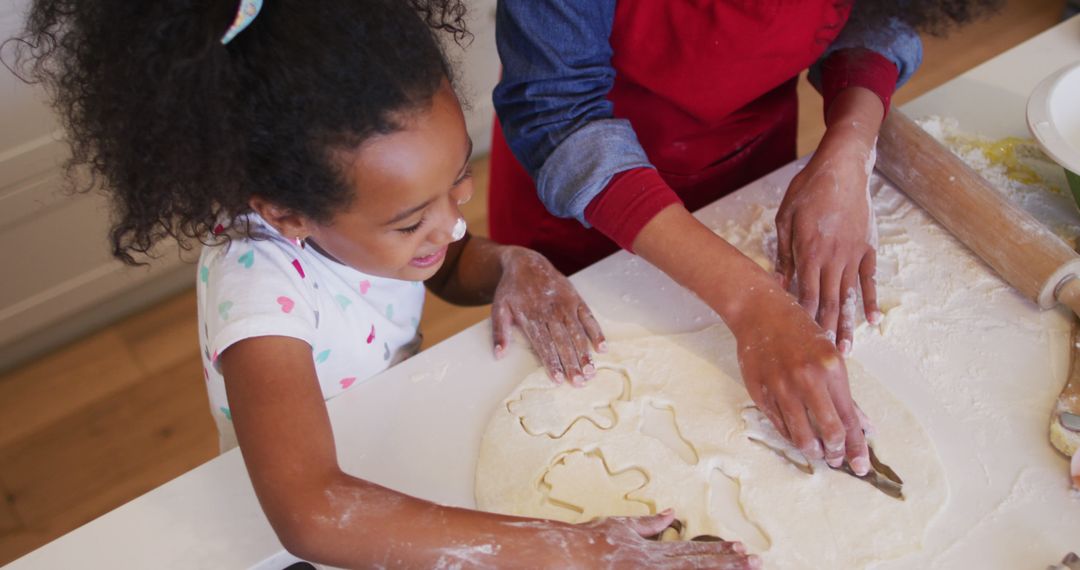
<point x="105" y="419"/>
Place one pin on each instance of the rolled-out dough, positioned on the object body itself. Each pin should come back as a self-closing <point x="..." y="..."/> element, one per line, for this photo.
<point x="665" y="424"/>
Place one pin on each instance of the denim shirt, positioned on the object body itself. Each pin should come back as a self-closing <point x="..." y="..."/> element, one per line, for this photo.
<point x="557" y="73"/>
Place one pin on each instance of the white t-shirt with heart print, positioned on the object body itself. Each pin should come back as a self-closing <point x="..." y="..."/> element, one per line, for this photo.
<point x="266" y="285"/>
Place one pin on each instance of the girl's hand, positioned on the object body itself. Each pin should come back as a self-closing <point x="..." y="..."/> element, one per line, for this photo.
<point x="796" y="377"/>
<point x="826" y="234"/>
<point x="558" y="323"/>
<point x="621" y="542"/>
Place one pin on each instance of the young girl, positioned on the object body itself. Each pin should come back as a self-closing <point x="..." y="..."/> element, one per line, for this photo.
<point x="321" y="153"/>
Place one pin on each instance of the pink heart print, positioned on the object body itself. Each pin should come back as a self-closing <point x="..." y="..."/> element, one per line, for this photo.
<point x="371" y="335"/>
<point x="364" y="286"/>
<point x="286" y="303"/>
<point x="346" y="382"/>
<point x="299" y="268"/>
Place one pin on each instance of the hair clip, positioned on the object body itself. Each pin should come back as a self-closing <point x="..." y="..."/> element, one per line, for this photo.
<point x="245" y="14"/>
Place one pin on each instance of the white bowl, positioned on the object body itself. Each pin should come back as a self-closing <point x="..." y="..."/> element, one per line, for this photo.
<point x="1053" y="116"/>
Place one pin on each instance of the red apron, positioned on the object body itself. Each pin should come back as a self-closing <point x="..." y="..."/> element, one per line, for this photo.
<point x="710" y="90"/>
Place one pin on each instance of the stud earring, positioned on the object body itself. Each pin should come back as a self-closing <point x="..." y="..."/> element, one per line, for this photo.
<point x="298" y="242"/>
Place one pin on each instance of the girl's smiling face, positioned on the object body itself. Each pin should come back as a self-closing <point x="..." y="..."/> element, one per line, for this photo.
<point x="407" y="187"/>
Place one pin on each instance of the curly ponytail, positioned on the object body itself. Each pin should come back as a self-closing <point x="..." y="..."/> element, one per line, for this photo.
<point x="181" y="130"/>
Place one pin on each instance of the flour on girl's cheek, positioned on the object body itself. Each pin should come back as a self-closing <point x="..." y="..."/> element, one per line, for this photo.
<point x="460" y="227"/>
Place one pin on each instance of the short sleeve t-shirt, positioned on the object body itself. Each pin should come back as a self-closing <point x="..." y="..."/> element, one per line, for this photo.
<point x="262" y="284"/>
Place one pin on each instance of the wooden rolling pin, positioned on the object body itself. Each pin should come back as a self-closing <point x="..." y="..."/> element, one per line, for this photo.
<point x="1017" y="246"/>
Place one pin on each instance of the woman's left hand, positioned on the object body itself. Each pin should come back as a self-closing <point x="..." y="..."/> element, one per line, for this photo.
<point x="543" y="302"/>
<point x="826" y="235"/>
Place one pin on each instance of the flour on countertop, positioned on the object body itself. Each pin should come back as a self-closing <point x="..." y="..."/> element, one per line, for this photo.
<point x="436" y="374"/>
<point x="1023" y="174"/>
<point x="1019" y="169"/>
<point x="940" y="329"/>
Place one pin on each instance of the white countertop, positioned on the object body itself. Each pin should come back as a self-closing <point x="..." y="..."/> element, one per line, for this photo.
<point x="417" y="426"/>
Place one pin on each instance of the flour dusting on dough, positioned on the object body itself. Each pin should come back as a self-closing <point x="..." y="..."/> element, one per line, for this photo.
<point x="706" y="468"/>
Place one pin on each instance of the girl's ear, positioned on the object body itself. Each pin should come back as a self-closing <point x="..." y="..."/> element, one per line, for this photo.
<point x="288" y="223"/>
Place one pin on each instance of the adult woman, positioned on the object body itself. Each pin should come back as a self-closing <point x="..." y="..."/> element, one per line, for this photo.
<point x="622" y="112"/>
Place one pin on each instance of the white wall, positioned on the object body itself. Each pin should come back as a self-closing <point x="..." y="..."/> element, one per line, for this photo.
<point x="478" y="67"/>
<point x="57" y="279"/>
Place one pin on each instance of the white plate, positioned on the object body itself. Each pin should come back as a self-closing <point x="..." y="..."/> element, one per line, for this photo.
<point x="1053" y="116"/>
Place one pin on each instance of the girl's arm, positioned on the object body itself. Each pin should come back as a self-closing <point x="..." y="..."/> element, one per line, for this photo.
<point x="481" y="267"/>
<point x="325" y="515"/>
<point x="523" y="288"/>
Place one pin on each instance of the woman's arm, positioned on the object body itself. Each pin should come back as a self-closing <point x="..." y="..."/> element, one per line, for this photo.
<point x="553" y="108"/>
<point x="523" y="288"/>
<point x="552" y="100"/>
<point x="325" y="515"/>
<point x="791" y="370"/>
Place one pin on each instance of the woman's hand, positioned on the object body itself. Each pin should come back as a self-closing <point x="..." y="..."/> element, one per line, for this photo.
<point x="558" y="323"/>
<point x="796" y="377"/>
<point x="826" y="235"/>
<point x="792" y="372"/>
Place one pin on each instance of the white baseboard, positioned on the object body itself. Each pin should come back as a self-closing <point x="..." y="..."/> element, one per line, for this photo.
<point x="30" y="344"/>
<point x="57" y="279"/>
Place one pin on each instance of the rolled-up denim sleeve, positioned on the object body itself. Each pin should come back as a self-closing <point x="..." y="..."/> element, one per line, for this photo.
<point x="896" y="42"/>
<point x="552" y="100"/>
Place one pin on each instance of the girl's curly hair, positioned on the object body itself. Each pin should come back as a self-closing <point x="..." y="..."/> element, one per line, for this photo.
<point x="181" y="130"/>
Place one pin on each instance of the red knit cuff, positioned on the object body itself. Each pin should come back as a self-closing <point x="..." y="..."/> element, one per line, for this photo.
<point x="631" y="200"/>
<point x="858" y="67"/>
